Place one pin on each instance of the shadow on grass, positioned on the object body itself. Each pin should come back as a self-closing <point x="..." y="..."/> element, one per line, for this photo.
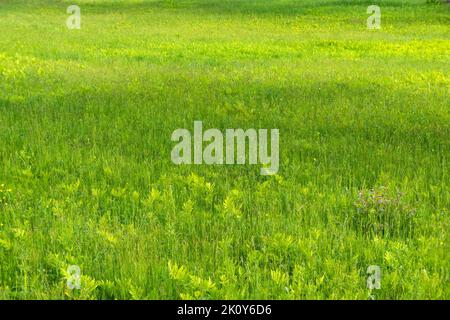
<point x="253" y="7"/>
<point x="264" y="7"/>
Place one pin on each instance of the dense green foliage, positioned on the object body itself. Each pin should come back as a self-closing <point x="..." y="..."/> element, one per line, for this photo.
<point x="86" y="176"/>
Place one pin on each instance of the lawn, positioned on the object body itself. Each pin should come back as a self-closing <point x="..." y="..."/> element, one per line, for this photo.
<point x="87" y="180"/>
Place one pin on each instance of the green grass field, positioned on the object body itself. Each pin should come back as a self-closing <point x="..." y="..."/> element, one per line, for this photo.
<point x="86" y="177"/>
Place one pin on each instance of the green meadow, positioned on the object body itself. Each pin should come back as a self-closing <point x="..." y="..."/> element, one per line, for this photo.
<point x="86" y="176"/>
